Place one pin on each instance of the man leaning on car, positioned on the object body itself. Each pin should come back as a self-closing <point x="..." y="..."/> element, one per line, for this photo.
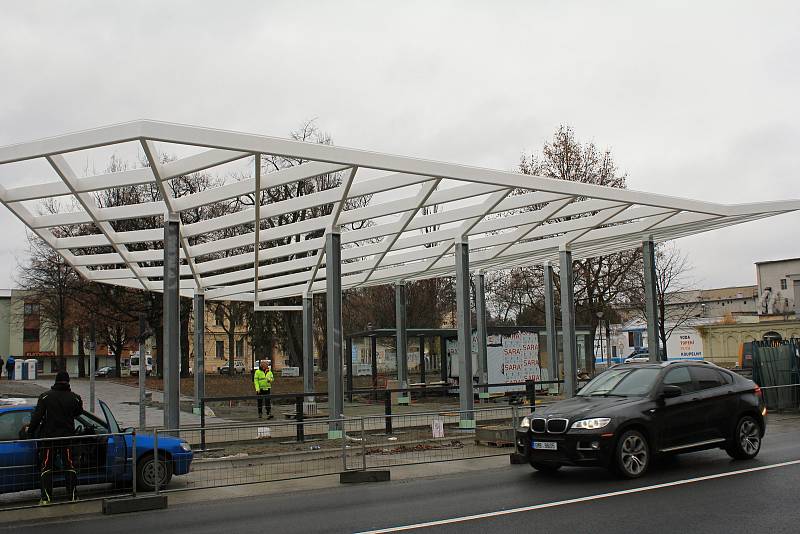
<point x="54" y="417"/>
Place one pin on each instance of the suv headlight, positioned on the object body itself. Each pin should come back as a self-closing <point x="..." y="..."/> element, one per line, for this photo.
<point x="186" y="447"/>
<point x="526" y="422"/>
<point x="591" y="424"/>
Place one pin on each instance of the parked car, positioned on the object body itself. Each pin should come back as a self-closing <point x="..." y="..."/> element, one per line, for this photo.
<point x="238" y="368"/>
<point x="631" y="413"/>
<point x="103" y="459"/>
<point x="105" y="372"/>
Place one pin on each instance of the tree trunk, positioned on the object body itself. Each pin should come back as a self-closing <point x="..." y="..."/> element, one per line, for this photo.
<point x="81" y="355"/>
<point x="159" y="335"/>
<point x="62" y="360"/>
<point x="231" y="348"/>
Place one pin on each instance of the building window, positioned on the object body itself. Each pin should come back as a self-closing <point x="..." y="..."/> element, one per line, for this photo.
<point x="783" y="283"/>
<point x="219" y="317"/>
<point x="220" y="350"/>
<point x="31" y="309"/>
<point x="30" y="334"/>
<point x="240" y="349"/>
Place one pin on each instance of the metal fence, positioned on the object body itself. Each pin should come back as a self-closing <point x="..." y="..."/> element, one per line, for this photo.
<point x="269" y="450"/>
<point x="99" y="464"/>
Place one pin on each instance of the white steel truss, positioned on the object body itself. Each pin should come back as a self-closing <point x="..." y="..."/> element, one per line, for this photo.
<point x="410" y="214"/>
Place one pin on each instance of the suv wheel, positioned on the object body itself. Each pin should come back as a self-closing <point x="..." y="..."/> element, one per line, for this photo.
<point x="632" y="454"/>
<point x="746" y="440"/>
<point x="546" y="467"/>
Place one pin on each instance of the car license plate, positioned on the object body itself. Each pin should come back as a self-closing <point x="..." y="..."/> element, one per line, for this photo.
<point x="545" y="445"/>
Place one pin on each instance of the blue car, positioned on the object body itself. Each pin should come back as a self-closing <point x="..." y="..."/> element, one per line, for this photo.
<point x="99" y="457"/>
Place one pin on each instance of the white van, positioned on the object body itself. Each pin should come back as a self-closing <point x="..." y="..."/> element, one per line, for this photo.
<point x="135" y="363"/>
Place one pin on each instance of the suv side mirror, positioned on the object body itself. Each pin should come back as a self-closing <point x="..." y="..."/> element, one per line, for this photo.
<point x="670" y="392"/>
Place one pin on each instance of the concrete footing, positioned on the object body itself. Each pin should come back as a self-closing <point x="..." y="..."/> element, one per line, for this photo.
<point x="359" y="477"/>
<point x="517" y="458"/>
<point x="140" y="503"/>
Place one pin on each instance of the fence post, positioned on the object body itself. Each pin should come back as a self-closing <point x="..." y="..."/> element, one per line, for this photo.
<point x="363" y="446"/>
<point x="298" y="401"/>
<point x="530" y="390"/>
<point x="202" y="424"/>
<point x="344" y="444"/>
<point x="514" y="417"/>
<point x="157" y="467"/>
<point x="133" y="461"/>
<point x="387" y="410"/>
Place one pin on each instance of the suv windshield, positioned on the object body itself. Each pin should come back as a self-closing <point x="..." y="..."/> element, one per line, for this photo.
<point x="622" y="383"/>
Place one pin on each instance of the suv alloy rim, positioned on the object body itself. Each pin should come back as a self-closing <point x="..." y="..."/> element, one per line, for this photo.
<point x="634" y="454"/>
<point x="749" y="438"/>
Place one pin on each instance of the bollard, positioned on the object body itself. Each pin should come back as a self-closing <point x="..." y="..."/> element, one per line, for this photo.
<point x="387" y="410"/>
<point x="157" y="470"/>
<point x="133" y="460"/>
<point x="202" y="424"/>
<point x="299" y="418"/>
<point x="530" y="390"/>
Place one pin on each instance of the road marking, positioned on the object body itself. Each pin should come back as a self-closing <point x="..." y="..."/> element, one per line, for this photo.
<point x="579" y="499"/>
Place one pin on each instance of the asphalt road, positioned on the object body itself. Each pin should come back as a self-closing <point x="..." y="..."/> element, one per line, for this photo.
<point x="702" y="492"/>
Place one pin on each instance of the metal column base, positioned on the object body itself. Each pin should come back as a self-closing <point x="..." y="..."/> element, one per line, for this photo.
<point x="139" y="503"/>
<point x="359" y="477"/>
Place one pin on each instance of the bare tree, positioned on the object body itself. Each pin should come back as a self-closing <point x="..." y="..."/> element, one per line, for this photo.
<point x="600" y="281"/>
<point x="676" y="297"/>
<point x="50" y="283"/>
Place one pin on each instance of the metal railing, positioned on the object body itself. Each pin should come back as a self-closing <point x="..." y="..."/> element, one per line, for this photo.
<point x="96" y="461"/>
<point x="268" y="451"/>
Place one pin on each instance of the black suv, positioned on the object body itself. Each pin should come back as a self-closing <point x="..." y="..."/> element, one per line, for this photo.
<point x="628" y="414"/>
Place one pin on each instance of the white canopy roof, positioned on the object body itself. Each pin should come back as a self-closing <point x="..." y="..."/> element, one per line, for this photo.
<point x="418" y="209"/>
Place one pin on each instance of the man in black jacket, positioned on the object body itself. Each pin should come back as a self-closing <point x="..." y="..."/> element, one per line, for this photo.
<point x="54" y="417"/>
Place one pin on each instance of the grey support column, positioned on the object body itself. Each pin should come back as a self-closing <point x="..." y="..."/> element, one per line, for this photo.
<point x="651" y="299"/>
<point x="402" y="339"/>
<point x="171" y="316"/>
<point x="142" y="376"/>
<point x="550" y="326"/>
<point x="333" y="299"/>
<point x="480" y="313"/>
<point x="443" y="370"/>
<point x="199" y="348"/>
<point x="464" y="325"/>
<point x="308" y="344"/>
<point x="422" y="366"/>
<point x="568" y="324"/>
<point x="92" y="362"/>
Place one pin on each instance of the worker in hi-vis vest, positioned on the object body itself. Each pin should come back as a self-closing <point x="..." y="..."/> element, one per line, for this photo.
<point x="262" y="380"/>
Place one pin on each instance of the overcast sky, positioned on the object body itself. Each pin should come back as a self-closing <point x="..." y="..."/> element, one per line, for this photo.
<point x="696" y="99"/>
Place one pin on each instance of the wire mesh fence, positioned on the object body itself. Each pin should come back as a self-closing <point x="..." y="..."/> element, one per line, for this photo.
<point x="270" y="450"/>
<point x="60" y="470"/>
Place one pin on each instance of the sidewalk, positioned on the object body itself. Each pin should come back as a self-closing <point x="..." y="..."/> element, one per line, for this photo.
<point x="124" y="403"/>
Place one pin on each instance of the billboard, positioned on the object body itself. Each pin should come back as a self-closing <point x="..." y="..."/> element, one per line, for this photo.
<point x="510" y="358"/>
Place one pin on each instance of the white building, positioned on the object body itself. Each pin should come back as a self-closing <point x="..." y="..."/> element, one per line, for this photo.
<point x="778" y="287"/>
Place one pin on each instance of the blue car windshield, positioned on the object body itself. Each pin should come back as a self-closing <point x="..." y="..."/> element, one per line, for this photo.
<point x="622" y="383"/>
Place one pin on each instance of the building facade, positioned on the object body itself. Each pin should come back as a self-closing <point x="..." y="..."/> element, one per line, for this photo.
<point x="778" y="287"/>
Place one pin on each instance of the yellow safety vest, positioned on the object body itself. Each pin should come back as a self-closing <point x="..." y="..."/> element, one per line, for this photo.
<point x="262" y="380"/>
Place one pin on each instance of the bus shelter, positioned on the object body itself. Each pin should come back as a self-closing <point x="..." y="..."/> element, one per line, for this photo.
<point x="383" y="219"/>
